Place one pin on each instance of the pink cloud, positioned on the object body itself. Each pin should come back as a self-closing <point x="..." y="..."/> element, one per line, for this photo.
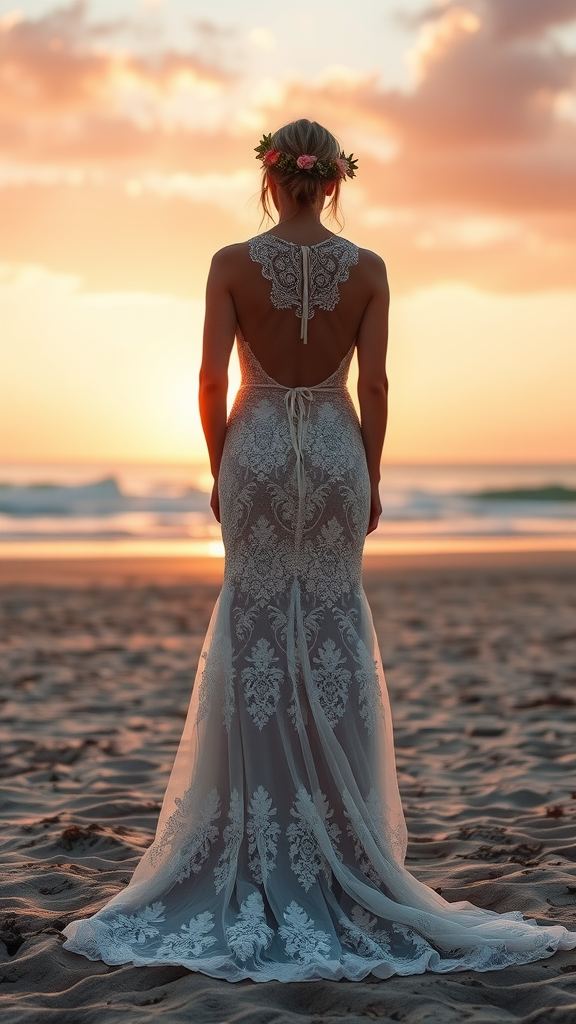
<point x="60" y="64"/>
<point x="479" y="134"/>
<point x="480" y="127"/>
<point x="506" y="19"/>
<point x="71" y="93"/>
<point x="521" y="19"/>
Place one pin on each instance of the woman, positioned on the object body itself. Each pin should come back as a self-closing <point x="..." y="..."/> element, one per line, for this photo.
<point x="280" y="845"/>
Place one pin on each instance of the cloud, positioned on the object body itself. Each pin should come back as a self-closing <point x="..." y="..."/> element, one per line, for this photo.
<point x="507" y="19"/>
<point x="231" y="192"/>
<point x="63" y="63"/>
<point x="71" y="84"/>
<point x="477" y="86"/>
<point x="483" y="125"/>
<point x="485" y="85"/>
<point x="472" y="177"/>
<point x="468" y="174"/>
<point x="521" y="19"/>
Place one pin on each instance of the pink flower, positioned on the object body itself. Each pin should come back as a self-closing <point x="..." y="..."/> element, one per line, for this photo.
<point x="305" y="162"/>
<point x="342" y="166"/>
<point x="271" y="157"/>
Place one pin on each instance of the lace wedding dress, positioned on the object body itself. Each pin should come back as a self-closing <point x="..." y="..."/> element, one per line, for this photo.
<point x="280" y="844"/>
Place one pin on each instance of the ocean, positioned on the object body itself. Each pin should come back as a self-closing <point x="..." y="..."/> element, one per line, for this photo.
<point x="79" y="511"/>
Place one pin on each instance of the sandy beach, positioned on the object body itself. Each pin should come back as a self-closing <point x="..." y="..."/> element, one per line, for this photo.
<point x="97" y="663"/>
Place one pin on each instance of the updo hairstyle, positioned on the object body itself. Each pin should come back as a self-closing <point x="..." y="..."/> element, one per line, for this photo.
<point x="305" y="189"/>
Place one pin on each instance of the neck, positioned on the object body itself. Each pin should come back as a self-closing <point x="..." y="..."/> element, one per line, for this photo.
<point x="305" y="215"/>
<point x="301" y="224"/>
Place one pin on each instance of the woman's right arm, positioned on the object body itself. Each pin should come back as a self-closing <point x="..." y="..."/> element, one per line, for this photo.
<point x="372" y="344"/>
<point x="219" y="332"/>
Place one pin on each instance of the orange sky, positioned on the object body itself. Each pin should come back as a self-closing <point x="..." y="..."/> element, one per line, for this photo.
<point x="126" y="142"/>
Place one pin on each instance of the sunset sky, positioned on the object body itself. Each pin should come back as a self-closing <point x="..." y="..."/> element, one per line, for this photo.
<point x="127" y="132"/>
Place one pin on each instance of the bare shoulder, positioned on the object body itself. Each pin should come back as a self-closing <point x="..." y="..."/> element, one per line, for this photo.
<point x="227" y="261"/>
<point x="371" y="262"/>
<point x="230" y="254"/>
<point x="373" y="267"/>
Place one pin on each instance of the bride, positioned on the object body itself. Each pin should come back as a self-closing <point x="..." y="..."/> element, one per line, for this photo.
<point x="281" y="840"/>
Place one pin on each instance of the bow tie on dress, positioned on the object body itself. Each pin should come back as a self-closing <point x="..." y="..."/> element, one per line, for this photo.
<point x="297" y="402"/>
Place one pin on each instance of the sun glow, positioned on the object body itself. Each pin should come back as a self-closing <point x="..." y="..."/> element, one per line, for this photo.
<point x="128" y="160"/>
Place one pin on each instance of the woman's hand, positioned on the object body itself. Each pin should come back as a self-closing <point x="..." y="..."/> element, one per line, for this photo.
<point x="375" y="508"/>
<point x="215" y="501"/>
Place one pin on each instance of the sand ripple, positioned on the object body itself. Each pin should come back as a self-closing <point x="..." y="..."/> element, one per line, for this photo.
<point x="96" y="682"/>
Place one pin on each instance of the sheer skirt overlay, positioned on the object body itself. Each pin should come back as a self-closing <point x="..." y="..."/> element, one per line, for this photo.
<point x="281" y="840"/>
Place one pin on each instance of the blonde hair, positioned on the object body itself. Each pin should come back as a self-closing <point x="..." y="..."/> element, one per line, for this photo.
<point x="297" y="138"/>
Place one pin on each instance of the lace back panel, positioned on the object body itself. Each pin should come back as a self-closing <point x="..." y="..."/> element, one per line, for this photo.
<point x="304" y="276"/>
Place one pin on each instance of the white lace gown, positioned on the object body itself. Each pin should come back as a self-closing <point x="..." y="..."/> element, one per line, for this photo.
<point x="280" y="845"/>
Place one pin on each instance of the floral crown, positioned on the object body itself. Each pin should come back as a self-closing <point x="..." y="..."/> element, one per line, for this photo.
<point x="337" y="167"/>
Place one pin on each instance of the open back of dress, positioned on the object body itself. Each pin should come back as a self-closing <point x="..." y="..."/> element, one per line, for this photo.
<point x="280" y="845"/>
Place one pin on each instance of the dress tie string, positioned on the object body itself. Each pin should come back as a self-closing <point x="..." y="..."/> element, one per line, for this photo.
<point x="297" y="401"/>
<point x="305" y="293"/>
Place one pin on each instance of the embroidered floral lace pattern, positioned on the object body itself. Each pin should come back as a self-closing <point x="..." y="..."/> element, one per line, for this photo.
<point x="192" y="940"/>
<point x="312" y="820"/>
<point x="232" y="836"/>
<point x="261" y="681"/>
<point x="332" y="680"/>
<point x="281" y="261"/>
<point x="250" y="935"/>
<point x="302" y="941"/>
<point x="280" y="845"/>
<point x="262" y="834"/>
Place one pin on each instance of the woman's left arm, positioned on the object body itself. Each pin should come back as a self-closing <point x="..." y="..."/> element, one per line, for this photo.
<point x="219" y="332"/>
